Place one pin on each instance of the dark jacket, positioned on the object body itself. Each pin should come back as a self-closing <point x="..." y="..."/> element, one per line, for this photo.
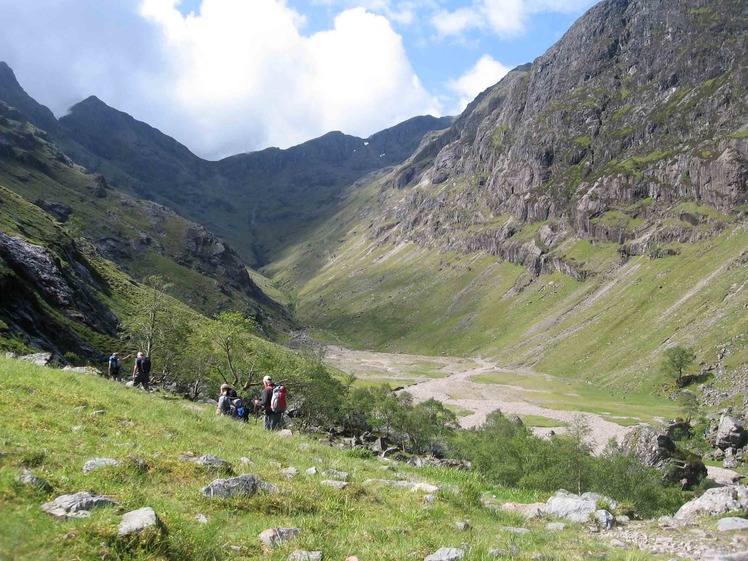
<point x="267" y="398"/>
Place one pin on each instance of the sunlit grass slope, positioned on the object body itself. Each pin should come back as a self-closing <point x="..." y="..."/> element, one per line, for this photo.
<point x="55" y="421"/>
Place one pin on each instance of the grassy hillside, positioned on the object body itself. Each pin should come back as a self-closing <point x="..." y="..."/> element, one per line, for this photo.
<point x="363" y="291"/>
<point x="61" y="420"/>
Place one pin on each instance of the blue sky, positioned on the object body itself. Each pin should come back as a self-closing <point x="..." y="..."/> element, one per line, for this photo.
<point x="231" y="76"/>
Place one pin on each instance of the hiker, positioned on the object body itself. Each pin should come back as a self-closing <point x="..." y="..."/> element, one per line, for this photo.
<point x="115" y="366"/>
<point x="224" y="402"/>
<point x="273" y="420"/>
<point x="141" y="372"/>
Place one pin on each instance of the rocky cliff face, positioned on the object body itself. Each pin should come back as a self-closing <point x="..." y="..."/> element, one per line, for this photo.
<point x="640" y="106"/>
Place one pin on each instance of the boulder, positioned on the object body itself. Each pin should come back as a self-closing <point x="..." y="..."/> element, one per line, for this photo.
<point x="730" y="524"/>
<point x="40" y="359"/>
<point x="571" y="507"/>
<point x="731" y="433"/>
<point x="276" y="536"/>
<point x="720" y="500"/>
<point x="243" y="486"/>
<point x="290" y="472"/>
<point x="137" y="521"/>
<point x="446" y="554"/>
<point x="604" y="519"/>
<point x="531" y="510"/>
<point x="98" y="463"/>
<point x="654" y="447"/>
<point x="77" y="505"/>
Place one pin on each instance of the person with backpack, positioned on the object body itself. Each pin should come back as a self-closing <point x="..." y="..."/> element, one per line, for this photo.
<point x="224" y="401"/>
<point x="231" y="404"/>
<point x="273" y="403"/>
<point x="115" y="366"/>
<point x="141" y="372"/>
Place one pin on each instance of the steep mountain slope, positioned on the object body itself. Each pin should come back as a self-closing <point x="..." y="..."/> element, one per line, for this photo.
<point x="62" y="231"/>
<point x="259" y="202"/>
<point x="581" y="216"/>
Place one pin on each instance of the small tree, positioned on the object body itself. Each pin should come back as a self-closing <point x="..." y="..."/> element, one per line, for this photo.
<point x="676" y="362"/>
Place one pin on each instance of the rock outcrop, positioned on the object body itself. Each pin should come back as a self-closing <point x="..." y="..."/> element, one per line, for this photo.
<point x="654" y="447"/>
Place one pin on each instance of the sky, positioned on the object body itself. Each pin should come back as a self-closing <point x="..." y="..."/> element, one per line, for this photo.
<point x="231" y="76"/>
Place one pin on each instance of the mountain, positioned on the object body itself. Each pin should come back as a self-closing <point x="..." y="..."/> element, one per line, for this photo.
<point x="259" y="202"/>
<point x="70" y="247"/>
<point x="581" y="216"/>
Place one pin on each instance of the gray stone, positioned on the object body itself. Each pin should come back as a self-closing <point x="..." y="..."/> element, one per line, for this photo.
<point x="276" y="536"/>
<point x="290" y="472"/>
<point x="201" y="518"/>
<point x="446" y="554"/>
<point x="98" y="463"/>
<point x="285" y="433"/>
<point x="619" y="544"/>
<point x="429" y="499"/>
<point x="604" y="519"/>
<point x="529" y="511"/>
<point x="622" y="520"/>
<point x="312" y="471"/>
<point x="29" y="479"/>
<point x="732" y="523"/>
<point x="243" y="486"/>
<point x="136" y="521"/>
<point x="302" y="555"/>
<point x="720" y="500"/>
<point x="391" y="483"/>
<point x="246" y="461"/>
<point x="209" y="461"/>
<point x="83" y="370"/>
<point x="334" y="483"/>
<point x="571" y="507"/>
<point x="555" y="526"/>
<point x="739" y="556"/>
<point x="335" y="474"/>
<point x="40" y="359"/>
<point x="424" y="488"/>
<point x="77" y="505"/>
<point x="462" y="525"/>
<point x="731" y="433"/>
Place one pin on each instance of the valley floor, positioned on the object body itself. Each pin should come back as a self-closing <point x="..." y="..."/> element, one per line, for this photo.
<point x="474" y="387"/>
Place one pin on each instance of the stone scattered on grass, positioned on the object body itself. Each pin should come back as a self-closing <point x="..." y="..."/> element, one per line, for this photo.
<point x="243" y="486"/>
<point x="29" y="479"/>
<point x="276" y="536"/>
<point x="446" y="554"/>
<point x="334" y="483"/>
<point x="555" y="526"/>
<point x="290" y="472"/>
<point x="137" y="521"/>
<point x="201" y="518"/>
<point x="77" y="505"/>
<point x="312" y="471"/>
<point x="335" y="474"/>
<point x="98" y="463"/>
<point x="208" y="461"/>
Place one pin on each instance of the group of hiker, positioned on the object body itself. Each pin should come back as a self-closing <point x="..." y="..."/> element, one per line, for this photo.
<point x="272" y="402"/>
<point x="141" y="370"/>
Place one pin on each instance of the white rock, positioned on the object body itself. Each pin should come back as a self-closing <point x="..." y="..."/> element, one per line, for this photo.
<point x="446" y="554"/>
<point x="732" y="523"/>
<point x="138" y="520"/>
<point x="97" y="463"/>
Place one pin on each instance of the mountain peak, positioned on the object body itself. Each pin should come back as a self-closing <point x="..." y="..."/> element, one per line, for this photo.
<point x="14" y="95"/>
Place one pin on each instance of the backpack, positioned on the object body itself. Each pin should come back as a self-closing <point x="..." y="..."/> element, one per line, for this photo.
<point x="238" y="409"/>
<point x="278" y="402"/>
<point x="146" y="365"/>
<point x="114" y="363"/>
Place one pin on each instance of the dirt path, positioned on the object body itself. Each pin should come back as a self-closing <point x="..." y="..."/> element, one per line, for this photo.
<point x="458" y="390"/>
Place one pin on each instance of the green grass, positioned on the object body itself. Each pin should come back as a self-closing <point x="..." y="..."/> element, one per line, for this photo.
<point x="53" y="431"/>
<point x="540" y="421"/>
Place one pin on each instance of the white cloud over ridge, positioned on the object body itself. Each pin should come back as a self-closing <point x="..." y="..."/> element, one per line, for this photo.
<point x="483" y="75"/>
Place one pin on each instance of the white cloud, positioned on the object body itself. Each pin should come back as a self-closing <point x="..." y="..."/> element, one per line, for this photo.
<point x="484" y="74"/>
<point x="233" y="76"/>
<point x="504" y="18"/>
